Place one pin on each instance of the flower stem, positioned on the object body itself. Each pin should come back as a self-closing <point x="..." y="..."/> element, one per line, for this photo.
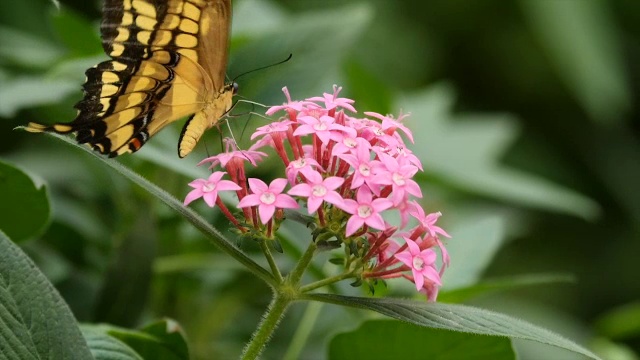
<point x="267" y="326"/>
<point x="297" y="272"/>
<point x="325" y="282"/>
<point x="272" y="263"/>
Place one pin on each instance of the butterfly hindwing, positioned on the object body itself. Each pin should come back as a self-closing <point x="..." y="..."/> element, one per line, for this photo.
<point x="168" y="60"/>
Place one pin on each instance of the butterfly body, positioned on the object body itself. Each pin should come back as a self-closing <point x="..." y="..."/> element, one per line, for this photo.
<point x="168" y="61"/>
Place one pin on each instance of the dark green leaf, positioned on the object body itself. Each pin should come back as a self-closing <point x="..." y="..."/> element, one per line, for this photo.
<point x="106" y="347"/>
<point x="456" y="318"/>
<point x="24" y="207"/>
<point x="388" y="339"/>
<point x="36" y="323"/>
<point x="504" y="284"/>
<point x="162" y="340"/>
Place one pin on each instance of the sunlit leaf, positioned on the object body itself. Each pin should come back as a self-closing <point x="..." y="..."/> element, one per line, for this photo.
<point x="472" y="248"/>
<point x="622" y="322"/>
<point x="30" y="91"/>
<point x="388" y="339"/>
<point x="23" y="49"/>
<point x="455" y="318"/>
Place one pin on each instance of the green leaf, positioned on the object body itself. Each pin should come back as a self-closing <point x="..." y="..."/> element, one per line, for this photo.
<point x="466" y="153"/>
<point x="78" y="34"/>
<point x="23" y="205"/>
<point x="455" y="318"/>
<point x="29" y="91"/>
<point x="622" y="322"/>
<point x="161" y="340"/>
<point x="36" y="322"/>
<point x="503" y="284"/>
<point x="23" y="49"/>
<point x="105" y="347"/>
<point x="586" y="51"/>
<point x="196" y="220"/>
<point x="388" y="339"/>
<point x="473" y="246"/>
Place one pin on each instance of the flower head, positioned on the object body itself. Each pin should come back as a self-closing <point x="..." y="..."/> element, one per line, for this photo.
<point x="421" y="263"/>
<point x="267" y="198"/>
<point x="208" y="189"/>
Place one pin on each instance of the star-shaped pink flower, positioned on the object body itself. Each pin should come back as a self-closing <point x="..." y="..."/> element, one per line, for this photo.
<point x="365" y="210"/>
<point x="421" y="263"/>
<point x="208" y="189"/>
<point x="317" y="190"/>
<point x="268" y="198"/>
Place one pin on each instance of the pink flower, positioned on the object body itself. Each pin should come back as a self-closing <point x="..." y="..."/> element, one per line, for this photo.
<point x="332" y="101"/>
<point x="365" y="210"/>
<point x="208" y="189"/>
<point x="268" y="198"/>
<point x="324" y="127"/>
<point x="278" y="126"/>
<point x="303" y="166"/>
<point x="391" y="124"/>
<point x="232" y="153"/>
<point x="399" y="177"/>
<point x="362" y="164"/>
<point x="428" y="221"/>
<point x="347" y="142"/>
<point x="421" y="263"/>
<point x="289" y="105"/>
<point x="318" y="190"/>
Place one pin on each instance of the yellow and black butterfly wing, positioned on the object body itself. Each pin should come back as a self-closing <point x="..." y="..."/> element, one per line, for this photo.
<point x="212" y="54"/>
<point x="153" y="78"/>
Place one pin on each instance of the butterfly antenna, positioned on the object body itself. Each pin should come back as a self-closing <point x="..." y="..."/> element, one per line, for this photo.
<point x="263" y="67"/>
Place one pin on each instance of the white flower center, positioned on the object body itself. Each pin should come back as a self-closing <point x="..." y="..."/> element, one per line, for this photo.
<point x="350" y="143"/>
<point x="378" y="131"/>
<point x="300" y="163"/>
<point x="364" y="211"/>
<point x="398" y="179"/>
<point x="319" y="190"/>
<point x="320" y="126"/>
<point x="268" y="198"/>
<point x="208" y="187"/>
<point x="364" y="169"/>
<point x="418" y="263"/>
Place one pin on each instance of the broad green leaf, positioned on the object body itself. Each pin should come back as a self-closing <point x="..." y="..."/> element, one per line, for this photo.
<point x="585" y="47"/>
<point x="503" y="284"/>
<point x="455" y="318"/>
<point x="622" y="322"/>
<point x="24" y="207"/>
<point x="36" y="322"/>
<point x="466" y="153"/>
<point x="161" y="340"/>
<point x="106" y="347"/>
<point x="472" y="248"/>
<point x="196" y="220"/>
<point x="388" y="339"/>
<point x="23" y="49"/>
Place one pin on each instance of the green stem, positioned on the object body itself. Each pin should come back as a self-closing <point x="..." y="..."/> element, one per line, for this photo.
<point x="301" y="266"/>
<point x="267" y="326"/>
<point x="272" y="262"/>
<point x="325" y="282"/>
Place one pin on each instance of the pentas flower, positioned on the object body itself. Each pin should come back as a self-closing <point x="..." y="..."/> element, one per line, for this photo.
<point x="350" y="172"/>
<point x="268" y="198"/>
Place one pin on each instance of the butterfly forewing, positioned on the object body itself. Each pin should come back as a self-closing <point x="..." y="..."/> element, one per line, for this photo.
<point x="168" y="61"/>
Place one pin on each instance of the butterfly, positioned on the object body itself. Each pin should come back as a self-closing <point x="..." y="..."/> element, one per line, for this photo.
<point x="168" y="61"/>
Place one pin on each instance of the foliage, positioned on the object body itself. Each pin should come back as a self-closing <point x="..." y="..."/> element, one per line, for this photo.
<point x="526" y="117"/>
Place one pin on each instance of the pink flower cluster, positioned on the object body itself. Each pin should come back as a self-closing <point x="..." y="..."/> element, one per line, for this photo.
<point x="348" y="171"/>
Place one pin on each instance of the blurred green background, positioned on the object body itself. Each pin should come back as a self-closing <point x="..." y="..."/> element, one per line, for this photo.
<point x="526" y="115"/>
